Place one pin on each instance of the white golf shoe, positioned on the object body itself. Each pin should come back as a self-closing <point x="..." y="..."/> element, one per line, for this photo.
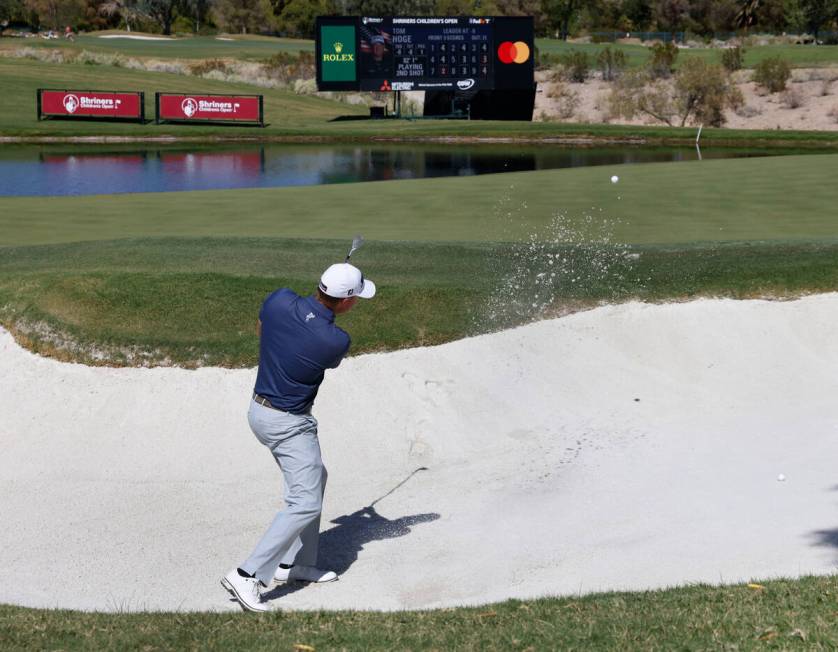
<point x="247" y="590"/>
<point x="304" y="574"/>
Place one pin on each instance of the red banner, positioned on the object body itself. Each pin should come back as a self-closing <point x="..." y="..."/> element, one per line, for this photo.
<point x="245" y="109"/>
<point x="90" y="104"/>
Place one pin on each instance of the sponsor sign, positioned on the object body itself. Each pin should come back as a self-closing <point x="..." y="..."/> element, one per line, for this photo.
<point x="114" y="105"/>
<point x="397" y="53"/>
<point x="338" y="56"/>
<point x="237" y="109"/>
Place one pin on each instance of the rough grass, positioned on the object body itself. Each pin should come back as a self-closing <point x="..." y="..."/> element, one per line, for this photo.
<point x="194" y="302"/>
<point x="774" y="615"/>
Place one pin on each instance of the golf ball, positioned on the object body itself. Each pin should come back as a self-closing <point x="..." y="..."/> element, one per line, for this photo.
<point x="781" y="478"/>
<point x="615" y="179"/>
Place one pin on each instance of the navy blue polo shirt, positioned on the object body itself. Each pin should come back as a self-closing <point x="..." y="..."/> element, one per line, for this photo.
<point x="299" y="342"/>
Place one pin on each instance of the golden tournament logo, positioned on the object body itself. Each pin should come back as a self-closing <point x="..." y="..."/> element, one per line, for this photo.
<point x="338" y="57"/>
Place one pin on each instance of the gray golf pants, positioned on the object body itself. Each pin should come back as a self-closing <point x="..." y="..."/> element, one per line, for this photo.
<point x="293" y="536"/>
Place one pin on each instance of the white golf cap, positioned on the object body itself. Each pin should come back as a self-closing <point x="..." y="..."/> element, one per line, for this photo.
<point x="344" y="280"/>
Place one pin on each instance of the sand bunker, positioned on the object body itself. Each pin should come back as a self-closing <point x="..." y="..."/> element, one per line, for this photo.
<point x="623" y="448"/>
<point x="138" y="37"/>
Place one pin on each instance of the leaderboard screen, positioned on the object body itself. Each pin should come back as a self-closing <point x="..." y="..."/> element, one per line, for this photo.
<point x="403" y="53"/>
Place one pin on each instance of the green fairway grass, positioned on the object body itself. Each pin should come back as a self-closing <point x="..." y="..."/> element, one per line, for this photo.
<point x="20" y="79"/>
<point x="798" y="56"/>
<point x="291" y="116"/>
<point x="235" y="46"/>
<point x="776" y="198"/>
<point x="260" y="47"/>
<point x="781" y="615"/>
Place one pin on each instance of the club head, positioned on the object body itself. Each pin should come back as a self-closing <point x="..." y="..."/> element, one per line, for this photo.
<point x="357" y="241"/>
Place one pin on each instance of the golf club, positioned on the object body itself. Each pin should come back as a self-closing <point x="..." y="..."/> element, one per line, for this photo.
<point x="372" y="504"/>
<point x="357" y="241"/>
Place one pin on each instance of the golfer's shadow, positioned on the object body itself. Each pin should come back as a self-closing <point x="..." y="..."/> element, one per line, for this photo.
<point x="340" y="545"/>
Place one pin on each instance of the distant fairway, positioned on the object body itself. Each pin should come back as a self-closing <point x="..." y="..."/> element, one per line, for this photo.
<point x="225" y="46"/>
<point x="20" y="79"/>
<point x="249" y="47"/>
<point x="799" y="56"/>
<point x="778" y="198"/>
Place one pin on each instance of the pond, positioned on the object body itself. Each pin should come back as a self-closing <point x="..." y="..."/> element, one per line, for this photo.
<point x="87" y="170"/>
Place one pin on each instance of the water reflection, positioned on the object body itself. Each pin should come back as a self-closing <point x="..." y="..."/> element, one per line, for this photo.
<point x="81" y="170"/>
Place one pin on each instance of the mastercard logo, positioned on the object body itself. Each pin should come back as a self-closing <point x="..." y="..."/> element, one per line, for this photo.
<point x="517" y="52"/>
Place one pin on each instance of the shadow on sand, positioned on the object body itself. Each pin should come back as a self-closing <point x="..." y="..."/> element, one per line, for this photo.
<point x="340" y="545"/>
<point x="826" y="538"/>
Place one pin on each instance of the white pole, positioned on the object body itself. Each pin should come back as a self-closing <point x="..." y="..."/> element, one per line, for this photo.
<point x="697" y="138"/>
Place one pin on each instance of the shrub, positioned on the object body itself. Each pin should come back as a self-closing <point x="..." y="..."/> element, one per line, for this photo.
<point x="700" y="92"/>
<point x="547" y="60"/>
<point x="747" y="111"/>
<point x="577" y="66"/>
<point x="792" y="99"/>
<point x="101" y="59"/>
<point x="733" y="58"/>
<point x="286" y="67"/>
<point x="567" y="100"/>
<point x="662" y="61"/>
<point x="772" y="74"/>
<point x="182" y="25"/>
<point x="201" y="68"/>
<point x="611" y="63"/>
<point x="703" y="91"/>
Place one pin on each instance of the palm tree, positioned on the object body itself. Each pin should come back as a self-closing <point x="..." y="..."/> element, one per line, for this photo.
<point x="747" y="15"/>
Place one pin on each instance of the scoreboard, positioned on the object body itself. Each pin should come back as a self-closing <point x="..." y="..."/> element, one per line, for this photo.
<point x="403" y="53"/>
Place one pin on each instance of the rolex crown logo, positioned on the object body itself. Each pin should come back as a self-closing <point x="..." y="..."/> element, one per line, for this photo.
<point x="338" y="47"/>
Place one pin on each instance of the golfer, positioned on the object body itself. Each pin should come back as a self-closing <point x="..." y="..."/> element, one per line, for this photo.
<point x="298" y="341"/>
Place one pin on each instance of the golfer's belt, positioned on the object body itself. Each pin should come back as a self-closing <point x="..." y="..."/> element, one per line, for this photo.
<point x="261" y="400"/>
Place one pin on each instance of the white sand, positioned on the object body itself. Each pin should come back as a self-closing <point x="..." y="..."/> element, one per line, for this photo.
<point x="137" y="37"/>
<point x="137" y="489"/>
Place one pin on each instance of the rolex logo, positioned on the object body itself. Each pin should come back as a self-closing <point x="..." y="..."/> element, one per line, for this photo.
<point x="338" y="56"/>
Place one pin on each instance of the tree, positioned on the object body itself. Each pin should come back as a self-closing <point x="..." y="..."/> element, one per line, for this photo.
<point x="243" y="16"/>
<point x="559" y="15"/>
<point x="297" y="19"/>
<point x="198" y="10"/>
<point x="817" y="13"/>
<point x="671" y="15"/>
<point x="465" y="8"/>
<point x="11" y="10"/>
<point x="56" y="14"/>
<point x="639" y="12"/>
<point x="128" y="10"/>
<point x="746" y="17"/>
<point x="161" y="12"/>
<point x="385" y="7"/>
